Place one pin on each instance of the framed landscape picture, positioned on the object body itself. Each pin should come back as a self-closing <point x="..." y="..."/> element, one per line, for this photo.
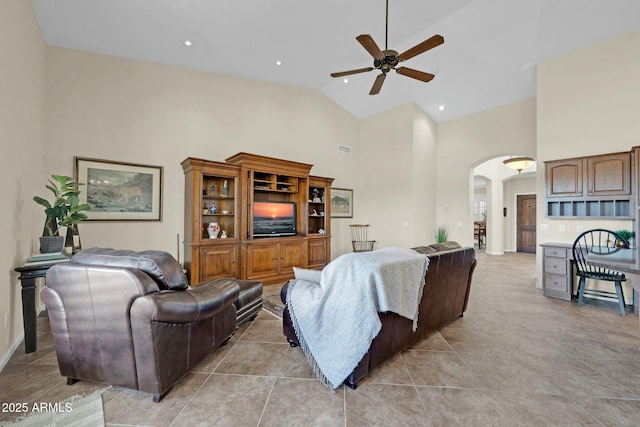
<point x="341" y="203"/>
<point x="118" y="191"/>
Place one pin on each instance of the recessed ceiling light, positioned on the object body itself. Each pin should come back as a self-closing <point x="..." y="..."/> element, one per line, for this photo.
<point x="442" y="107"/>
<point x="346" y="80"/>
<point x="187" y="43"/>
<point x="278" y="62"/>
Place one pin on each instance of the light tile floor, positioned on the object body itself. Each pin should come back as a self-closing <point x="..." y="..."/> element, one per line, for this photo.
<point x="517" y="358"/>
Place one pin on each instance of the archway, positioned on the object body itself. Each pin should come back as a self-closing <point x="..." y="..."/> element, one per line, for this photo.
<point x="501" y="189"/>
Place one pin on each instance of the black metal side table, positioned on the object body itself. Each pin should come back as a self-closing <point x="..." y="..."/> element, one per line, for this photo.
<point x="28" y="275"/>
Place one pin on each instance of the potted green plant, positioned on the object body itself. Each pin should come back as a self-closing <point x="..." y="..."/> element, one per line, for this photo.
<point x="441" y="234"/>
<point x="64" y="211"/>
<point x="628" y="235"/>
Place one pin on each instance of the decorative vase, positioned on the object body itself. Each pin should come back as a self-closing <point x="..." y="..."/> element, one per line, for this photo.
<point x="213" y="229"/>
<point x="225" y="189"/>
<point x="213" y="208"/>
<point x="51" y="244"/>
<point x="72" y="243"/>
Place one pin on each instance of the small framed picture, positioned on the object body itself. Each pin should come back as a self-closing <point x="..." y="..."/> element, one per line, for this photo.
<point x="341" y="203"/>
<point x="119" y="191"/>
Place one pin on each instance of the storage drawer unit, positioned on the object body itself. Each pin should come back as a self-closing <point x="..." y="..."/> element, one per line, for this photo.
<point x="557" y="277"/>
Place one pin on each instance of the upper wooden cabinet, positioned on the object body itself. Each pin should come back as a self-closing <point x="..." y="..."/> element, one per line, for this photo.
<point x="595" y="186"/>
<point x="564" y="178"/>
<point x="609" y="175"/>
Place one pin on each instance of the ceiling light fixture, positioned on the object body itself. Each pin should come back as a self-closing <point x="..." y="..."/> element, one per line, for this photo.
<point x="519" y="163"/>
<point x="442" y="107"/>
<point x="346" y="80"/>
<point x="187" y="43"/>
<point x="278" y="62"/>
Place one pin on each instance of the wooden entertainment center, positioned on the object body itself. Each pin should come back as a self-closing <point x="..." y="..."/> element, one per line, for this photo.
<point x="233" y="187"/>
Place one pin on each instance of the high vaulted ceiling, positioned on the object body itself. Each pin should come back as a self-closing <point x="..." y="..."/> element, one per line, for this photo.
<point x="488" y="59"/>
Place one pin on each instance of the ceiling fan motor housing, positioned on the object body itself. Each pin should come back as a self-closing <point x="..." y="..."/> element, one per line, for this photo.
<point x="389" y="61"/>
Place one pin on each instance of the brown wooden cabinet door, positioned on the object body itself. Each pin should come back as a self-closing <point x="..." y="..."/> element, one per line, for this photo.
<point x="274" y="258"/>
<point x="609" y="175"/>
<point x="292" y="254"/>
<point x="317" y="253"/>
<point x="262" y="260"/>
<point x="218" y="261"/>
<point x="564" y="178"/>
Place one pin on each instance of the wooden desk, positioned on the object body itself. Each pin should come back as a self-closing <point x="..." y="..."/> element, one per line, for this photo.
<point x="28" y="275"/>
<point x="625" y="261"/>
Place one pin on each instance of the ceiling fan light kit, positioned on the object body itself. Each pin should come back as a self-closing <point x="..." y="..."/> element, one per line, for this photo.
<point x="388" y="59"/>
<point x="519" y="163"/>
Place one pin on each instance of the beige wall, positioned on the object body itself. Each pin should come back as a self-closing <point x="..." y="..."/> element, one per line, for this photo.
<point x="588" y="103"/>
<point x="118" y="109"/>
<point x="21" y="139"/>
<point x="424" y="179"/>
<point x="469" y="141"/>
<point x="397" y="183"/>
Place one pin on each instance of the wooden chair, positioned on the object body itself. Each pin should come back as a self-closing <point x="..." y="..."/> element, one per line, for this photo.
<point x="359" y="238"/>
<point x="601" y="242"/>
<point x="479" y="232"/>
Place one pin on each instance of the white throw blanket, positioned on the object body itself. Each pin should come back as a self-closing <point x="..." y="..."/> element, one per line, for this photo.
<point x="336" y="320"/>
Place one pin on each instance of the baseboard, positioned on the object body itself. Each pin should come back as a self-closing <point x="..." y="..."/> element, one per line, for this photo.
<point x="7" y="356"/>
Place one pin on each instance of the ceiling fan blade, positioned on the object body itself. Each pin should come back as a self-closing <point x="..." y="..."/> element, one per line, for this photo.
<point x="377" y="85"/>
<point x="348" y="73"/>
<point x="368" y="43"/>
<point x="430" y="43"/>
<point x="415" y="74"/>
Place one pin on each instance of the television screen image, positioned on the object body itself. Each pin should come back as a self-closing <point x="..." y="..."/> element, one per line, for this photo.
<point x="274" y="219"/>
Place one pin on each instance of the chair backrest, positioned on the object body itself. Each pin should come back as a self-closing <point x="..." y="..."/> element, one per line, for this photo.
<point x="598" y="241"/>
<point x="163" y="268"/>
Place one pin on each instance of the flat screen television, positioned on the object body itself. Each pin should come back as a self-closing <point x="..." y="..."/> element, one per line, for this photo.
<point x="274" y="219"/>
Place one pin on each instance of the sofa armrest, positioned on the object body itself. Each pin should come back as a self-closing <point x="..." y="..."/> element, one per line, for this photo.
<point x="191" y="305"/>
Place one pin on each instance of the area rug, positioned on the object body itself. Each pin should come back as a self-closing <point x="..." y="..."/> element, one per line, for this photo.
<point x="76" y="411"/>
<point x="271" y="302"/>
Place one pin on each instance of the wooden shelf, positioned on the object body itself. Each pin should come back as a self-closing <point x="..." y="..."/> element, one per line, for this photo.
<point x="251" y="178"/>
<point x="590" y="187"/>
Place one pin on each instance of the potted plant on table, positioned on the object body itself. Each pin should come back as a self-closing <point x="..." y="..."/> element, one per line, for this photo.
<point x="64" y="211"/>
<point x="628" y="235"/>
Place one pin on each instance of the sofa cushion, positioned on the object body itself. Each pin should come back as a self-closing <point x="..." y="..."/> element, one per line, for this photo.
<point x="437" y="247"/>
<point x="307" y="274"/>
<point x="161" y="266"/>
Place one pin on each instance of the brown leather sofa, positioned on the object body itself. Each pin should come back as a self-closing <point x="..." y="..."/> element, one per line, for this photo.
<point x="445" y="297"/>
<point x="130" y="319"/>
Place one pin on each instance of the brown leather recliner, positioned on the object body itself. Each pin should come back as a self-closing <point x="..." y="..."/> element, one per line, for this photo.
<point x="130" y="319"/>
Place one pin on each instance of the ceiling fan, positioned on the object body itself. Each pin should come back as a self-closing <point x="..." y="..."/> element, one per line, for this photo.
<point x="387" y="59"/>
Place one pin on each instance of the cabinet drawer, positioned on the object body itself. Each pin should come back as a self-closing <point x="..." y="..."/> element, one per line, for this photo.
<point x="555" y="265"/>
<point x="556" y="282"/>
<point x="555" y="252"/>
